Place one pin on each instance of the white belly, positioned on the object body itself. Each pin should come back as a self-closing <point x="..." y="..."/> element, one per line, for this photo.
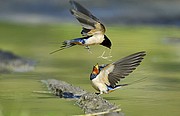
<point x="99" y="85"/>
<point x="95" y="39"/>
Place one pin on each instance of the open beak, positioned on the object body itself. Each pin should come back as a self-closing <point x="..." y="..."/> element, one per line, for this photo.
<point x="96" y="69"/>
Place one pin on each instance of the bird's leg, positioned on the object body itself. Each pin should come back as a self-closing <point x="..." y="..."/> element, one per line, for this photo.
<point x="100" y="92"/>
<point x="88" y="48"/>
<point x="106" y="57"/>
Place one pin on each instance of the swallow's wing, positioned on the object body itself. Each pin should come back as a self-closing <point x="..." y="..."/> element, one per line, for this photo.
<point x="124" y="67"/>
<point x="113" y="73"/>
<point x="89" y="22"/>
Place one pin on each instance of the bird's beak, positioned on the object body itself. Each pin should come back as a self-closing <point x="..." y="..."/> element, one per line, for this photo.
<point x="97" y="66"/>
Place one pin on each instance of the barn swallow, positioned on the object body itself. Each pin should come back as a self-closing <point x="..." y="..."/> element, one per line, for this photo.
<point x="93" y="31"/>
<point x="105" y="77"/>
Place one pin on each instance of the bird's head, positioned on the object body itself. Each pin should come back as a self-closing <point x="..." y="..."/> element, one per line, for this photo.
<point x="95" y="72"/>
<point x="95" y="69"/>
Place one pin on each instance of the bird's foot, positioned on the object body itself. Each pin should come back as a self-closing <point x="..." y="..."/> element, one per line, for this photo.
<point x="105" y="57"/>
<point x="88" y="48"/>
<point x="97" y="93"/>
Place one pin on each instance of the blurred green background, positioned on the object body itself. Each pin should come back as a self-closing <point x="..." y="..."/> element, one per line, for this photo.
<point x="34" y="31"/>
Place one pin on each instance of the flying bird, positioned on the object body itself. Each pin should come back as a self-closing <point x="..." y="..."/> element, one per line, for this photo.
<point x="93" y="31"/>
<point x="105" y="77"/>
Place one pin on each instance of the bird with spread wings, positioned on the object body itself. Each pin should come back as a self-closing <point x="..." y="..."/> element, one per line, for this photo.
<point x="93" y="31"/>
<point x="105" y="77"/>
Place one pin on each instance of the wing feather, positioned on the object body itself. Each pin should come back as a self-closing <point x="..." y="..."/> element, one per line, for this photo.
<point x="85" y="21"/>
<point x="89" y="22"/>
<point x="124" y="67"/>
<point x="83" y="10"/>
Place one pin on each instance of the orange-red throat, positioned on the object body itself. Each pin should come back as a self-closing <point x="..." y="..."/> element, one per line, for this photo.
<point x="96" y="69"/>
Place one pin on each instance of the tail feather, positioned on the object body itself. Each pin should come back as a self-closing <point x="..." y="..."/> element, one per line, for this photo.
<point x="111" y="89"/>
<point x="65" y="44"/>
<point x="134" y="82"/>
<point x="119" y="86"/>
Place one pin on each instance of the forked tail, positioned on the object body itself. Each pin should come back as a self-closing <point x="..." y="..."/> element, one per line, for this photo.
<point x="134" y="82"/>
<point x="65" y="44"/>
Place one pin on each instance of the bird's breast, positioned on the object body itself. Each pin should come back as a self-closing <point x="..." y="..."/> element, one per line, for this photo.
<point x="95" y="39"/>
<point x="98" y="84"/>
<point x="94" y="86"/>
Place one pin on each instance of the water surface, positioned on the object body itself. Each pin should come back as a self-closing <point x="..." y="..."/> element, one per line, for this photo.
<point x="157" y="95"/>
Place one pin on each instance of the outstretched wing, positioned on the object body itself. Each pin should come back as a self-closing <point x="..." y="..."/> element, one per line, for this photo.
<point x="124" y="67"/>
<point x="89" y="22"/>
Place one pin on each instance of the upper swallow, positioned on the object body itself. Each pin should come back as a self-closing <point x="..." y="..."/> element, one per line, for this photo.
<point x="105" y="77"/>
<point x="93" y="31"/>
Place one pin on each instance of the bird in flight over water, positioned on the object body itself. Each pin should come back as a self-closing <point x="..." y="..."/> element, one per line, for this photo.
<point x="93" y="31"/>
<point x="105" y="77"/>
